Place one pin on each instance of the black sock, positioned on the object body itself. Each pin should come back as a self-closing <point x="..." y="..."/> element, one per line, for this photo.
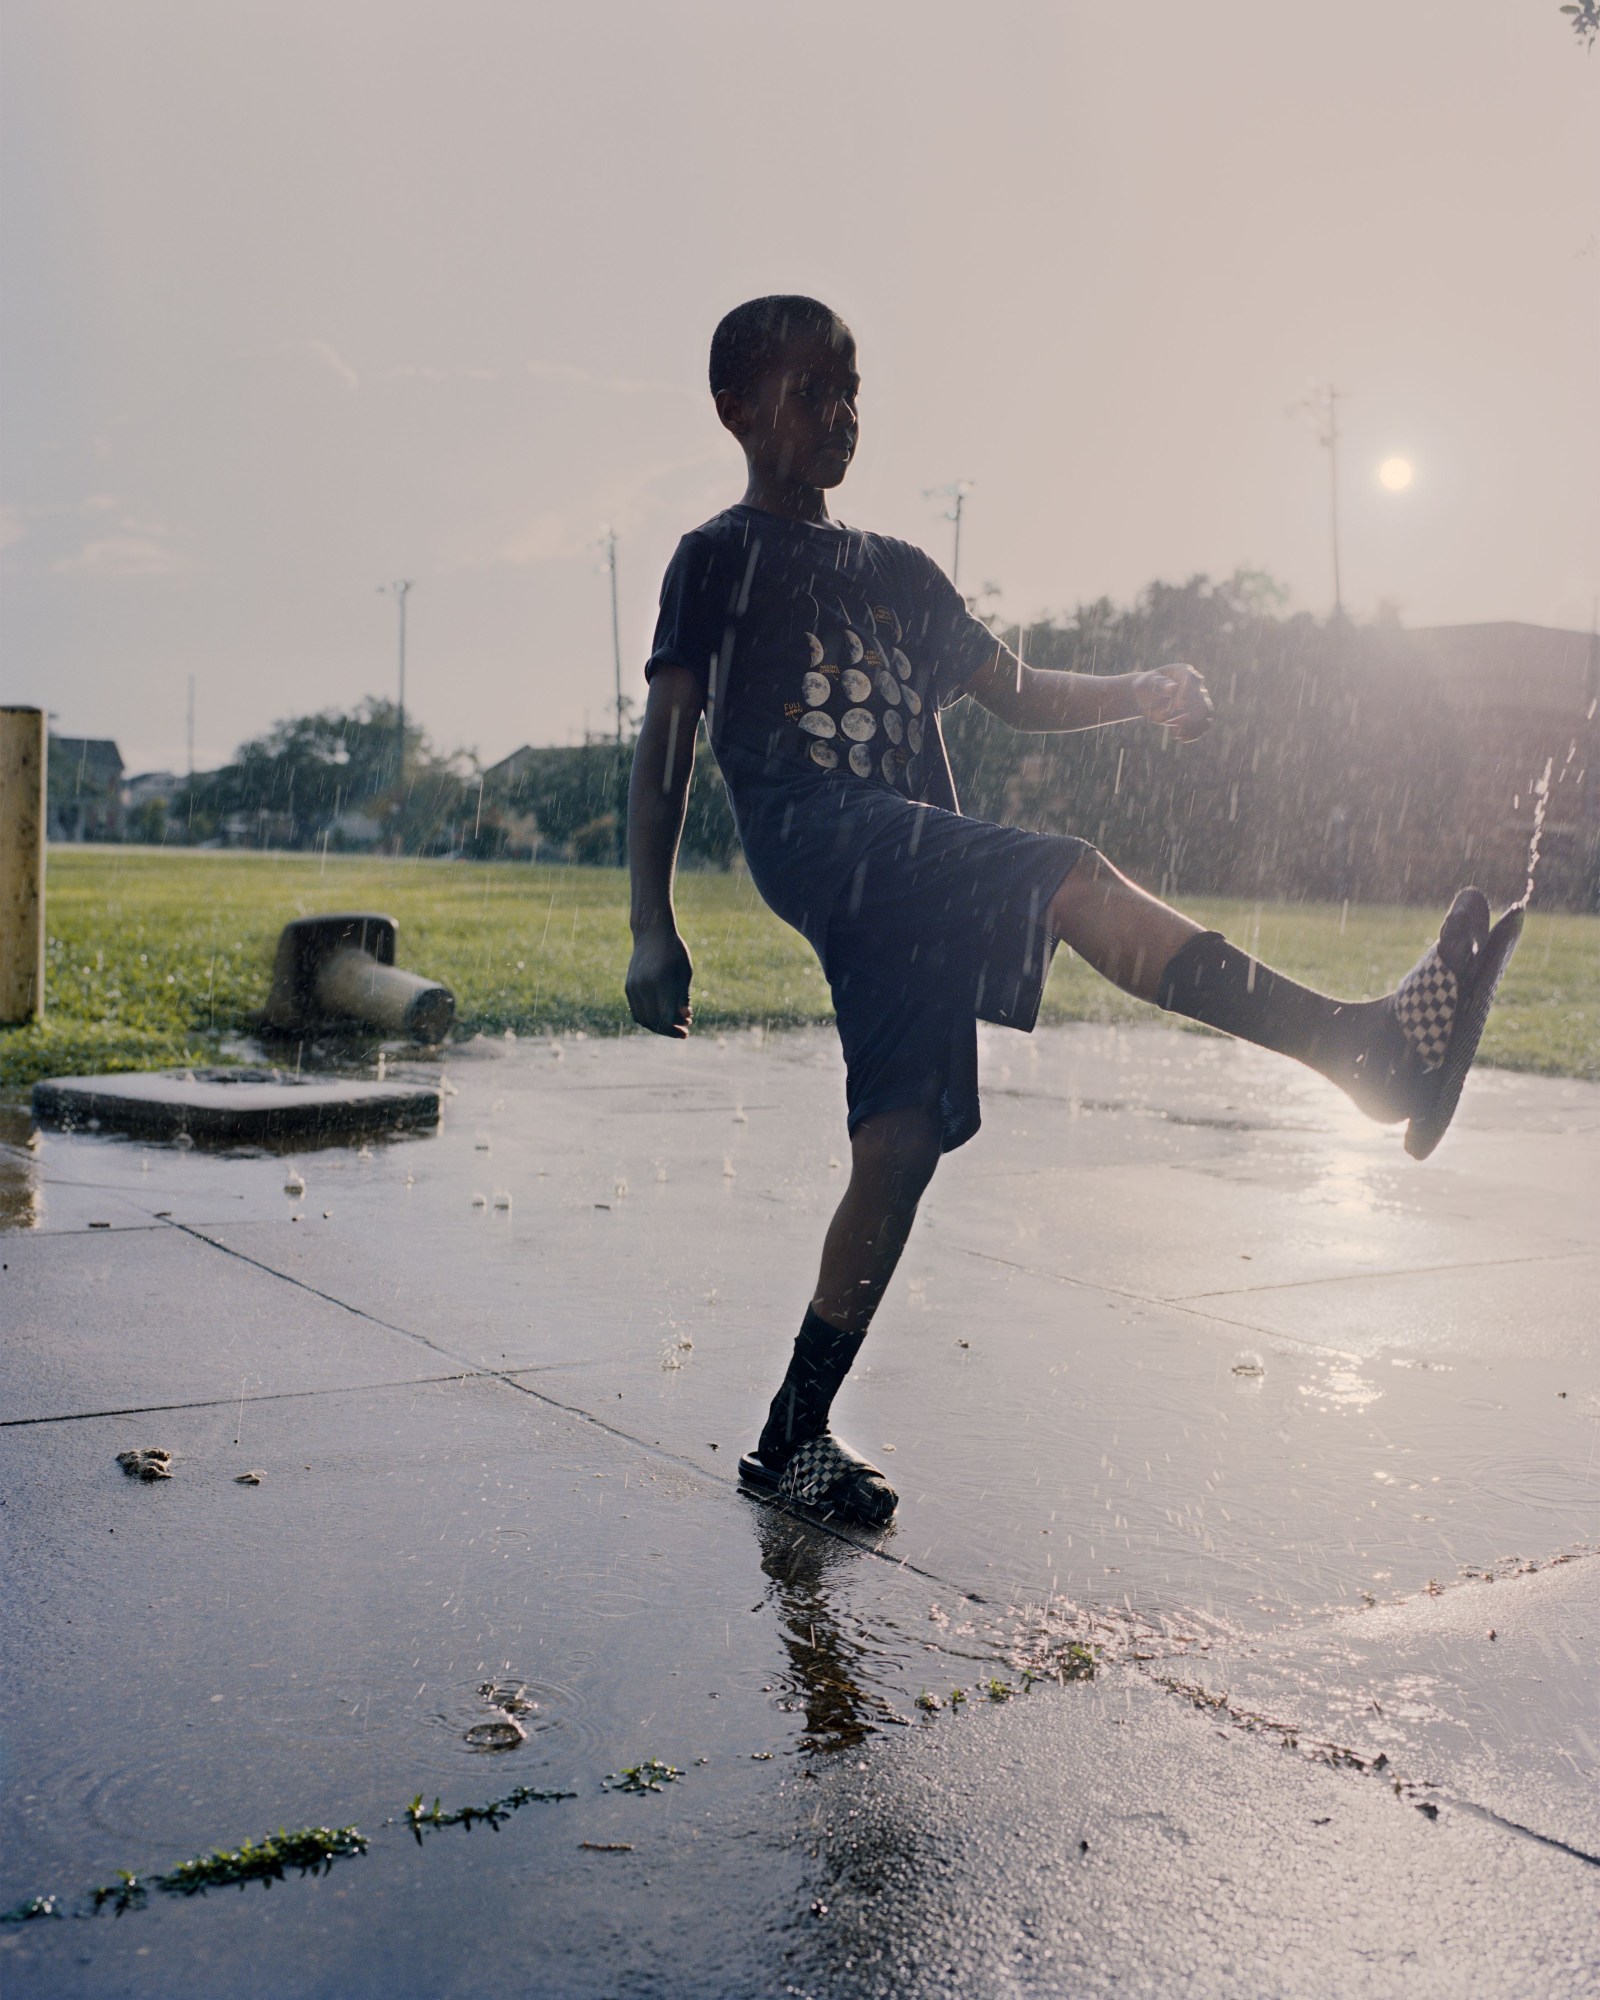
<point x="1356" y="1044"/>
<point x="820" y="1362"/>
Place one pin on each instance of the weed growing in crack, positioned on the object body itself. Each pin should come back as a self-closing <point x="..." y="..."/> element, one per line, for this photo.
<point x="649" y="1776"/>
<point x="312" y="1850"/>
<point x="421" y="1818"/>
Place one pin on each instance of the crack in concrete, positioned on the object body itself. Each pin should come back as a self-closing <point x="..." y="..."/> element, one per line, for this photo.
<point x="1401" y="1271"/>
<point x="508" y="1379"/>
<point x="233" y="1402"/>
<point x="1420" y="1793"/>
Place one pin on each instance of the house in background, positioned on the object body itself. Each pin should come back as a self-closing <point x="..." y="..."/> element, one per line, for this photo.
<point x="1529" y="697"/>
<point x="147" y="806"/>
<point x="84" y="789"/>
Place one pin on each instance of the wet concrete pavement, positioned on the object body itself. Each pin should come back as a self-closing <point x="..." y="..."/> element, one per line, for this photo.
<point x="1187" y="1365"/>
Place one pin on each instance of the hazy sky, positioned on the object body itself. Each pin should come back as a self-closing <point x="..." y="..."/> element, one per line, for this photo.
<point x="299" y="298"/>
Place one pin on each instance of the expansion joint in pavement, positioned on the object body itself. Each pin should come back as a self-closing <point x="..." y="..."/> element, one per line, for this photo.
<point x="513" y="1381"/>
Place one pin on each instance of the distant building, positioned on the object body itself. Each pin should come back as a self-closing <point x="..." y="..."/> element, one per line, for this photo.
<point x="353" y="829"/>
<point x="84" y="789"/>
<point x="510" y="775"/>
<point x="1528" y="696"/>
<point x="148" y="787"/>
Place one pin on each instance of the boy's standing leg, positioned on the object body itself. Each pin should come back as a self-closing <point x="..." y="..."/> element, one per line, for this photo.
<point x="892" y="1159"/>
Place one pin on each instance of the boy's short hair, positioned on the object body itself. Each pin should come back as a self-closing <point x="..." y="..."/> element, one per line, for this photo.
<point x="748" y="339"/>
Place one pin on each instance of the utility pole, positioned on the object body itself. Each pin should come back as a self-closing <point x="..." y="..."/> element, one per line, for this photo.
<point x="1321" y="403"/>
<point x="608" y="562"/>
<point x="955" y="496"/>
<point x="399" y="592"/>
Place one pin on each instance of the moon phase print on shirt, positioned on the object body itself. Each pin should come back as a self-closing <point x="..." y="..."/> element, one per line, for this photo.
<point x="857" y="685"/>
<point x="868" y="699"/>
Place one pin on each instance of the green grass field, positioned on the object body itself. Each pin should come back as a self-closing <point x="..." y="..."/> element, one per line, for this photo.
<point x="161" y="957"/>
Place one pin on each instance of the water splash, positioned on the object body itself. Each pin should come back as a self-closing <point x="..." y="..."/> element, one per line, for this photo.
<point x="1541" y="802"/>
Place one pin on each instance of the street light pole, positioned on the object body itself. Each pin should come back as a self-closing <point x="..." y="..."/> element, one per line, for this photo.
<point x="1321" y="402"/>
<point x="956" y="495"/>
<point x="399" y="592"/>
<point x="608" y="562"/>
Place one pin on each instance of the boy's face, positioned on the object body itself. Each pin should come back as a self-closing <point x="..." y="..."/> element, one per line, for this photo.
<point x="799" y="426"/>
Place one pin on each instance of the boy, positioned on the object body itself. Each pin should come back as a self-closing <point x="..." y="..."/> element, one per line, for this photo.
<point x="821" y="657"/>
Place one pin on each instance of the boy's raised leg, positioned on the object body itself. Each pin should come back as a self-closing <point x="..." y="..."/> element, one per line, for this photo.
<point x="1400" y="1057"/>
<point x="893" y="1157"/>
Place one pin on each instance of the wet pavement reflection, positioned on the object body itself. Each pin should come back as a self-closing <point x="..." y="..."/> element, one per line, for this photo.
<point x="1169" y="1486"/>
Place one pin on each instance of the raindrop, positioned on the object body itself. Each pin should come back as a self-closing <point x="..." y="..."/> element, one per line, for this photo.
<point x="505" y="1734"/>
<point x="502" y="1199"/>
<point x="295" y="1185"/>
<point x="480" y="1201"/>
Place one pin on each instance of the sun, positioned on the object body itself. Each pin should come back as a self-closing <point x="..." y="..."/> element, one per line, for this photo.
<point x="1396" y="474"/>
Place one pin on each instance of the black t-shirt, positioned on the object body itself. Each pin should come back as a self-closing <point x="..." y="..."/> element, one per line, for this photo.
<point x="825" y="655"/>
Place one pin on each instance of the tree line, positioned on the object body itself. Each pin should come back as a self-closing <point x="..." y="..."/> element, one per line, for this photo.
<point x="1338" y="767"/>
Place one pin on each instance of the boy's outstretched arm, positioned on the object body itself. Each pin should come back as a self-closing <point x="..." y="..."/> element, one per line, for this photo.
<point x="1174" y="697"/>
<point x="663" y="760"/>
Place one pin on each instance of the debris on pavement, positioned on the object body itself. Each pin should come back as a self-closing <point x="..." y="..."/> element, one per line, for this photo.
<point x="152" y="1464"/>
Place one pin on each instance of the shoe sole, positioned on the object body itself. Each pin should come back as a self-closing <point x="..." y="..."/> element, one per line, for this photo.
<point x="1443" y="1087"/>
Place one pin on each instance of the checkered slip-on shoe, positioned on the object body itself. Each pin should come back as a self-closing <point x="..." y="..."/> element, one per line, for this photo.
<point x="1442" y="1005"/>
<point x="829" y="1479"/>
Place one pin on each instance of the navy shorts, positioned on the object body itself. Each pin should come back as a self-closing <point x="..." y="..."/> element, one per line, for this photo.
<point x="943" y="924"/>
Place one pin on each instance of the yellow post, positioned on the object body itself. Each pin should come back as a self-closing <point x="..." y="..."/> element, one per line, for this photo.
<point x="23" y="752"/>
